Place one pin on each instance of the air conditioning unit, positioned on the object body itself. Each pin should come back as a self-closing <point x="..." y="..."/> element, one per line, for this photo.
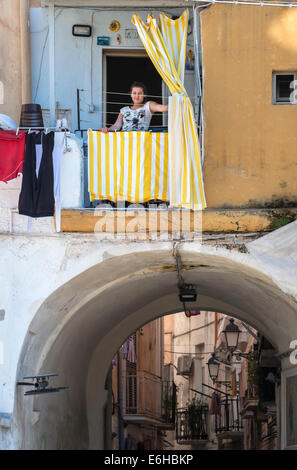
<point x="184" y="365"/>
<point x="223" y="356"/>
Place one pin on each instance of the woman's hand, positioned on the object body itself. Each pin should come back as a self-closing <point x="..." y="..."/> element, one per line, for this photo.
<point x="115" y="127"/>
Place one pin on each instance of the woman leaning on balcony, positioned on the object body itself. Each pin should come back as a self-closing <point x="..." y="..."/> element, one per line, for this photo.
<point x="138" y="116"/>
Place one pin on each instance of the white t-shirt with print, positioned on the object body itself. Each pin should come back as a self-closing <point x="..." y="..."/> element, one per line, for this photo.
<point x="136" y="119"/>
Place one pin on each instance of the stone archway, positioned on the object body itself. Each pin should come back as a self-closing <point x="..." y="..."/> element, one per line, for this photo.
<point x="80" y="326"/>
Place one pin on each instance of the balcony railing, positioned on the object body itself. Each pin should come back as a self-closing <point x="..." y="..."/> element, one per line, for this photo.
<point x="228" y="417"/>
<point x="192" y="424"/>
<point x="168" y="401"/>
<point x="149" y="396"/>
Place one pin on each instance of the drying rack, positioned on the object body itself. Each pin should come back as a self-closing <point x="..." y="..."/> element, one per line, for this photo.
<point x="47" y="129"/>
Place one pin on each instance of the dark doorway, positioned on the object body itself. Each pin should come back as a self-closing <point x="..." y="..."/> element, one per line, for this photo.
<point x="121" y="72"/>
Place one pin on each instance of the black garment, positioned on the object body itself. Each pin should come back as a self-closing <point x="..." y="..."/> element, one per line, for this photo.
<point x="37" y="193"/>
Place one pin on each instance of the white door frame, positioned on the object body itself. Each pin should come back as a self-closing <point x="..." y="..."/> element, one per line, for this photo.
<point x="115" y="52"/>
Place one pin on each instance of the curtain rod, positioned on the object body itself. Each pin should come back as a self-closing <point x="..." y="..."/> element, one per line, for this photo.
<point x="62" y="129"/>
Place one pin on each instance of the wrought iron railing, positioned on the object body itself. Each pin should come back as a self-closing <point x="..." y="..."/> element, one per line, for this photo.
<point x="228" y="417"/>
<point x="192" y="424"/>
<point x="168" y="401"/>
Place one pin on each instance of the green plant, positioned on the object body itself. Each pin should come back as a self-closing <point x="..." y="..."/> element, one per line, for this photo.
<point x="195" y="403"/>
<point x="253" y="367"/>
<point x="253" y="374"/>
<point x="279" y="222"/>
<point x="167" y="402"/>
<point x="196" y="414"/>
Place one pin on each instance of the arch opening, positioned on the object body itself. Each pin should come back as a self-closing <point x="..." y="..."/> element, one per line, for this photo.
<point x="79" y="328"/>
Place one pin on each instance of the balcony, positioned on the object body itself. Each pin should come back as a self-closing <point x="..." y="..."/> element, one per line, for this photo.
<point x="250" y="402"/>
<point x="192" y="425"/>
<point x="139" y="222"/>
<point x="149" y="400"/>
<point x="228" y="420"/>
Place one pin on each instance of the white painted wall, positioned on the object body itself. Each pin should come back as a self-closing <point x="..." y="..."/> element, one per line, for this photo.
<point x="71" y="300"/>
<point x="78" y="60"/>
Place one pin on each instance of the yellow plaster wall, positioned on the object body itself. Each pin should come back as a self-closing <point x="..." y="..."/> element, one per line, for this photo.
<point x="15" y="67"/>
<point x="250" y="144"/>
<point x="10" y="58"/>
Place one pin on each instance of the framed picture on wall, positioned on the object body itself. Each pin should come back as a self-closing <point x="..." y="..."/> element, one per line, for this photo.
<point x="289" y="409"/>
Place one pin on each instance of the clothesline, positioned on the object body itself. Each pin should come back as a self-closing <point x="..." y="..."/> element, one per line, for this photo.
<point x="155" y="114"/>
<point x="116" y="102"/>
<point x="155" y="127"/>
<point x="129" y="94"/>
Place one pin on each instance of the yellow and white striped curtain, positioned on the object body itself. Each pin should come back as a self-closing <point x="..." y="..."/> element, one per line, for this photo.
<point x="166" y="47"/>
<point x="128" y="166"/>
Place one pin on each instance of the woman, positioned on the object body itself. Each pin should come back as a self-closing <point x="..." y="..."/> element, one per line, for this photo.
<point x="138" y="116"/>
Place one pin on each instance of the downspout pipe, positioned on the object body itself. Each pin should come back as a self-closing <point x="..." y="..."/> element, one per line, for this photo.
<point x="120" y="402"/>
<point x="25" y="49"/>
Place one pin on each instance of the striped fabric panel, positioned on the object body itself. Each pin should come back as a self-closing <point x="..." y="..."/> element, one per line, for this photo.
<point x="166" y="47"/>
<point x="174" y="33"/>
<point x="155" y="46"/>
<point x="130" y="166"/>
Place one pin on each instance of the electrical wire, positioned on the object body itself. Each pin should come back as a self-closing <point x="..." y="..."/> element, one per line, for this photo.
<point x="189" y="352"/>
<point x="155" y="114"/>
<point x="129" y="94"/>
<point x="151" y="127"/>
<point x="242" y="2"/>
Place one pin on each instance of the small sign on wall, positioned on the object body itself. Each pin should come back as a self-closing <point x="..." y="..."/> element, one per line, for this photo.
<point x="103" y="41"/>
<point x="131" y="34"/>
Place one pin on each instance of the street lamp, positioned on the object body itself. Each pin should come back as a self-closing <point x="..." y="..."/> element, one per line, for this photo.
<point x="232" y="333"/>
<point x="213" y="367"/>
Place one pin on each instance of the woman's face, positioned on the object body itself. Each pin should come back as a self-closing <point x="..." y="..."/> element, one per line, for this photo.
<point x="137" y="95"/>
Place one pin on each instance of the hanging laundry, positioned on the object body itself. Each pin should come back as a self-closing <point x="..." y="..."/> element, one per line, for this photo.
<point x="57" y="162"/>
<point x="215" y="404"/>
<point x="37" y="193"/>
<point x="128" y="350"/>
<point x="12" y="154"/>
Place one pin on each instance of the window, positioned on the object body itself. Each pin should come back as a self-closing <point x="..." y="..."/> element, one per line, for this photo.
<point x="283" y="88"/>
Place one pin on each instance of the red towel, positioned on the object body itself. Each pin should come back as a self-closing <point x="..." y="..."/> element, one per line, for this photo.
<point x="12" y="154"/>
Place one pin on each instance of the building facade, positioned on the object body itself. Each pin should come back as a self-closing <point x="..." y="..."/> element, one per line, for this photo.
<point x="69" y="299"/>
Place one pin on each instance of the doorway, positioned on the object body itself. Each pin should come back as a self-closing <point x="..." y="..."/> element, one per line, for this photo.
<point x="122" y="68"/>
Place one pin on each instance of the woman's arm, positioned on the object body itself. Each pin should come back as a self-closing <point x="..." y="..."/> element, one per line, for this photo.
<point x="116" y="126"/>
<point x="158" y="108"/>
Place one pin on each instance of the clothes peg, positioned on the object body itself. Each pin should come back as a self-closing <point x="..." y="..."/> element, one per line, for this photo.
<point x="66" y="148"/>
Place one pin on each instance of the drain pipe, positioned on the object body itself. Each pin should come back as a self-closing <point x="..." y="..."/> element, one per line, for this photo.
<point x="120" y="403"/>
<point x="25" y="51"/>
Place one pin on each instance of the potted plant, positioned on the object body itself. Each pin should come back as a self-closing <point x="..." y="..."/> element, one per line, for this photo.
<point x="196" y="413"/>
<point x="253" y="373"/>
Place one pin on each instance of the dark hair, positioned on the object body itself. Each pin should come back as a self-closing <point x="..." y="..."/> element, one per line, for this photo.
<point x="140" y="85"/>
